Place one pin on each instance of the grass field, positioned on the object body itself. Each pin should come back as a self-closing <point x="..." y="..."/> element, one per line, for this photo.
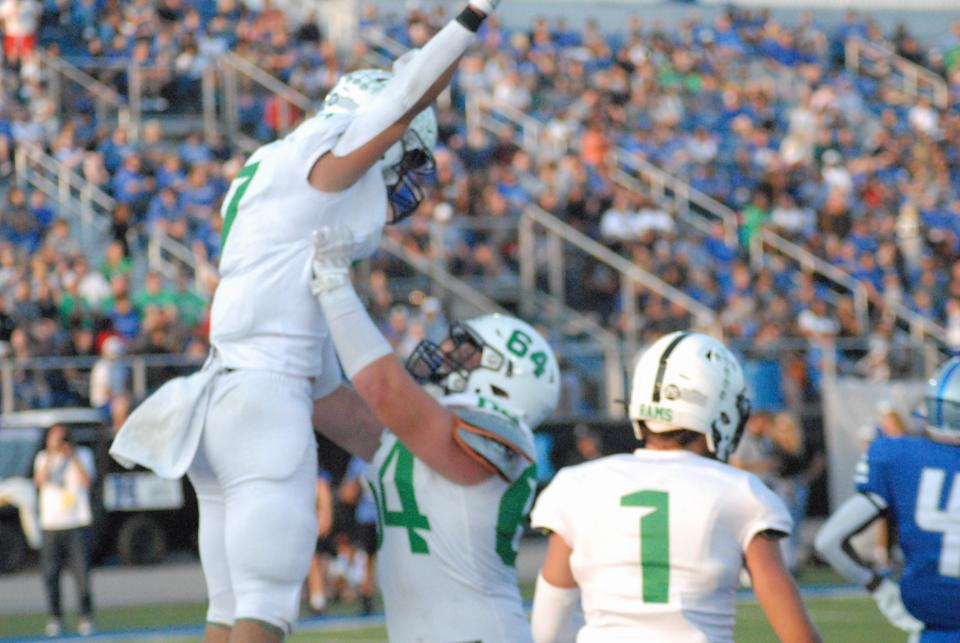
<point x="847" y="620"/>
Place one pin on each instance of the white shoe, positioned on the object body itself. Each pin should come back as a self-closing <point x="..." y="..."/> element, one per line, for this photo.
<point x="318" y="602"/>
<point x="53" y="627"/>
<point x="85" y="627"/>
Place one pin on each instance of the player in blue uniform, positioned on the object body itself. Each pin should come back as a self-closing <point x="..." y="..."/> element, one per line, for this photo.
<point x="916" y="481"/>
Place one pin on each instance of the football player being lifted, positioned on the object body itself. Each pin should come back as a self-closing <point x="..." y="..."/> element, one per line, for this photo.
<point x="242" y="426"/>
<point x="453" y="477"/>
<point x="652" y="543"/>
<point x="915" y="481"/>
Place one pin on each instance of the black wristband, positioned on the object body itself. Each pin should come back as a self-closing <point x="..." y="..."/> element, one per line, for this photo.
<point x="470" y="19"/>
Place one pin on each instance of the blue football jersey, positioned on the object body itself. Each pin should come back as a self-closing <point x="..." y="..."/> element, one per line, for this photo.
<point x="920" y="480"/>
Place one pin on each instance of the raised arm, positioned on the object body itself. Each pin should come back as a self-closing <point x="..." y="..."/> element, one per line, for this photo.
<point x="422" y="424"/>
<point x="777" y="593"/>
<point x="413" y="88"/>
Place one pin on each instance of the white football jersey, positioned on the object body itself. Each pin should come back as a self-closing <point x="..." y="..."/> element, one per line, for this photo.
<point x="657" y="542"/>
<point x="264" y="315"/>
<point x="447" y="551"/>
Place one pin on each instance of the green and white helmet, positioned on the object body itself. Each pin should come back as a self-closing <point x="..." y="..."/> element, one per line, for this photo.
<point x="690" y="381"/>
<point x="408" y="160"/>
<point x="498" y="357"/>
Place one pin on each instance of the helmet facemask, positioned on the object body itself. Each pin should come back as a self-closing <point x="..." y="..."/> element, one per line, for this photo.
<point x="449" y="366"/>
<point x="723" y="448"/>
<point x="405" y="177"/>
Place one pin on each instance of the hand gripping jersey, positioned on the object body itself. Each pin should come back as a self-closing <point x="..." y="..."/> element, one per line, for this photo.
<point x="920" y="481"/>
<point x="447" y="552"/>
<point x="658" y="538"/>
<point x="264" y="315"/>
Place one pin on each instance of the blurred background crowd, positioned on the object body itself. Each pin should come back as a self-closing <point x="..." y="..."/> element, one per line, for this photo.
<point x="760" y="114"/>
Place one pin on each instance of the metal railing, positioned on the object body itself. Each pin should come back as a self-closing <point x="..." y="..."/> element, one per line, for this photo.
<point x="910" y="77"/>
<point x="144" y="85"/>
<point x="235" y="76"/>
<point x="551" y="311"/>
<point x="560" y="235"/>
<point x="138" y="366"/>
<point x="691" y="204"/>
<point x="169" y="257"/>
<point x="91" y="206"/>
<point x="904" y="360"/>
<point x="93" y="209"/>
<point x="62" y="78"/>
<point x="383" y="49"/>
<point x="687" y="201"/>
<point x="480" y="111"/>
<point x="811" y="263"/>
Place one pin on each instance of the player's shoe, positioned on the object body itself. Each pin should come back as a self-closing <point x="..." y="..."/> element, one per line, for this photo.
<point x="85" y="626"/>
<point x="53" y="627"/>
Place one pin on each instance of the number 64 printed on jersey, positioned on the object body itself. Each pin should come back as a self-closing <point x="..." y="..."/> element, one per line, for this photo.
<point x="397" y="471"/>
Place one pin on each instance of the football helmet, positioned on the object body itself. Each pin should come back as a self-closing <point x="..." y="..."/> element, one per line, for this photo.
<point x="498" y="357"/>
<point x="691" y="381"/>
<point x="942" y="401"/>
<point x="409" y="162"/>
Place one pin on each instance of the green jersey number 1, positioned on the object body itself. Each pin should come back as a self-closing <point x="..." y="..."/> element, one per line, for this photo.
<point x="654" y="542"/>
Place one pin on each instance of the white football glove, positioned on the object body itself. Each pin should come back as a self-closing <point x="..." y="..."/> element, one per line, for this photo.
<point x="486" y="6"/>
<point x="333" y="251"/>
<point x="887" y="597"/>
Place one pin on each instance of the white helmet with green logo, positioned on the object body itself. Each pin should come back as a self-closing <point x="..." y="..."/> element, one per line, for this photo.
<point x="498" y="357"/>
<point x="690" y="381"/>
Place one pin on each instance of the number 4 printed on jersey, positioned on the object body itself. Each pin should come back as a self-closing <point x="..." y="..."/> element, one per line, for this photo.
<point x="398" y="468"/>
<point x="930" y="517"/>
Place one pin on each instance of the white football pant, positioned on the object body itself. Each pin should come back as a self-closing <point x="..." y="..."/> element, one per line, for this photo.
<point x="254" y="474"/>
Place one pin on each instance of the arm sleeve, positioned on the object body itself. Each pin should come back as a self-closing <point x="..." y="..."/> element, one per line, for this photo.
<point x="761" y="510"/>
<point x="556" y="615"/>
<point x="549" y="510"/>
<point x="408" y="85"/>
<point x="832" y="539"/>
<point x="871" y="474"/>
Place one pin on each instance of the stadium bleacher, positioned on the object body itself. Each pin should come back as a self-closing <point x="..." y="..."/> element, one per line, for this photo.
<point x="761" y="116"/>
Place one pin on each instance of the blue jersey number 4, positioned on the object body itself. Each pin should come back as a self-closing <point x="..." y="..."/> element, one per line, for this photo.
<point x="930" y="517"/>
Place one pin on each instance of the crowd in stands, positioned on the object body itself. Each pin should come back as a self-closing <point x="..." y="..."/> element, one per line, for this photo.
<point x="760" y="115"/>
